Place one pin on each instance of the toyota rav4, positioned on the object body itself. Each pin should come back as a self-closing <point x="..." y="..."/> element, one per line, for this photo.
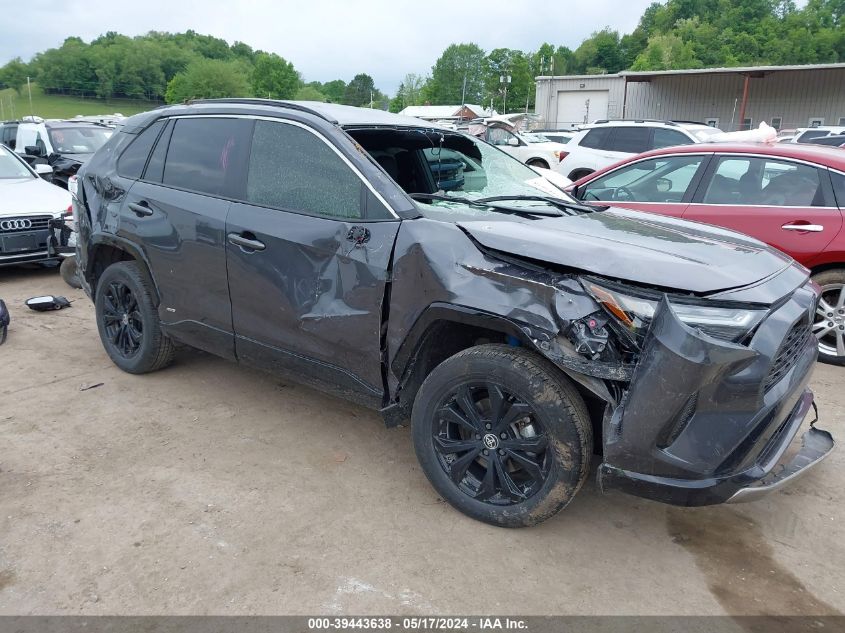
<point x="519" y="330"/>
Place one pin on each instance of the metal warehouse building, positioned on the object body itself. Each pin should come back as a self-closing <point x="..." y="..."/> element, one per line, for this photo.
<point x="785" y="97"/>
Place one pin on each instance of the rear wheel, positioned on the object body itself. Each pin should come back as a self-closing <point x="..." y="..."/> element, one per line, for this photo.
<point x="502" y="435"/>
<point x="579" y="173"/>
<point x="128" y="321"/>
<point x="829" y="326"/>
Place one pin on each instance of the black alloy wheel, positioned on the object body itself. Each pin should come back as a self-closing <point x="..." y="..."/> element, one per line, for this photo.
<point x="490" y="443"/>
<point x="122" y="320"/>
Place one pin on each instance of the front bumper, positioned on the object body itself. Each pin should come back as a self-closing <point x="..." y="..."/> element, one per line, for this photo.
<point x="55" y="241"/>
<point x="706" y="421"/>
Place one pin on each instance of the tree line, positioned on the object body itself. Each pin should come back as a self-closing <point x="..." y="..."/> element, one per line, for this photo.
<point x="676" y="34"/>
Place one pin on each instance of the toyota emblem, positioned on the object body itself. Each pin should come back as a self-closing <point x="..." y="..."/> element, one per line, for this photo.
<point x="15" y="225"/>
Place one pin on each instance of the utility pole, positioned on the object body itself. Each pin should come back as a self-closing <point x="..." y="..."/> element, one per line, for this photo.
<point x="29" y="88"/>
<point x="371" y="99"/>
<point x="505" y="80"/>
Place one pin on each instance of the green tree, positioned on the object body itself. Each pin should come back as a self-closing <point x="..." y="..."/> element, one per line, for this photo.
<point x="334" y="90"/>
<point x="274" y="77"/>
<point x="208" y="79"/>
<point x="14" y="74"/>
<point x="360" y="91"/>
<point x="309" y="93"/>
<point x="458" y="63"/>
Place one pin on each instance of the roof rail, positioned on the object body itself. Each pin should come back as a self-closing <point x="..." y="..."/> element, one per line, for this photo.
<point x="265" y="102"/>
<point x="664" y="121"/>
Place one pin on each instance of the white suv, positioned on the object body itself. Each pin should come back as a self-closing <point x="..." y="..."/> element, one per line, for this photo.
<point x="603" y="143"/>
<point x="809" y="134"/>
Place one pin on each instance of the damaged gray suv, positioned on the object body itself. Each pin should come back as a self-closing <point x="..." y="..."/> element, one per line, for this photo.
<point x="430" y="276"/>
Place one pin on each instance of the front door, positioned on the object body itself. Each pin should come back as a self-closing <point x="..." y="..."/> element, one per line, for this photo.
<point x="308" y="263"/>
<point x="780" y="202"/>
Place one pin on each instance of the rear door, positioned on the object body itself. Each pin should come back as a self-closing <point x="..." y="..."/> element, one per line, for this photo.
<point x="308" y="254"/>
<point x="177" y="211"/>
<point x="785" y="203"/>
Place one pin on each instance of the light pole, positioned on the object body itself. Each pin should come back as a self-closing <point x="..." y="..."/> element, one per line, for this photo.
<point x="505" y="80"/>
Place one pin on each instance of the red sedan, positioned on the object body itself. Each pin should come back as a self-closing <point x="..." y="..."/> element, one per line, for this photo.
<point x="789" y="195"/>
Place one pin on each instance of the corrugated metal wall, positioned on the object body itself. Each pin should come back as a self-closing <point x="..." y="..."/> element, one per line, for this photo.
<point x="793" y="96"/>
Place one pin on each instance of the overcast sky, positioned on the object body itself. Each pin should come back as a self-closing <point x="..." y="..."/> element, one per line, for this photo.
<point x="324" y="39"/>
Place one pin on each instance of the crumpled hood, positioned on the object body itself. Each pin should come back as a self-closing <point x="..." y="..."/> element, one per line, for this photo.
<point x="639" y="247"/>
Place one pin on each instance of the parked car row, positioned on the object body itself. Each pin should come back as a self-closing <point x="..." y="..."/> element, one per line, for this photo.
<point x="427" y="274"/>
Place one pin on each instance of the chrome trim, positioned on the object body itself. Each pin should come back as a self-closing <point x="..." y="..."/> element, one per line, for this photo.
<point x="810" y="228"/>
<point x="320" y="136"/>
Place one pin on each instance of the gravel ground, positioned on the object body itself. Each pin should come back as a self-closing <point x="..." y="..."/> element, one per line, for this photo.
<point x="208" y="488"/>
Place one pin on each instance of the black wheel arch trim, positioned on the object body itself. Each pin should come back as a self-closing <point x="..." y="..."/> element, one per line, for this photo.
<point x="130" y="248"/>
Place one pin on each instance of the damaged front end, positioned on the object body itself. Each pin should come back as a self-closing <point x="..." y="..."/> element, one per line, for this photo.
<point x="712" y="410"/>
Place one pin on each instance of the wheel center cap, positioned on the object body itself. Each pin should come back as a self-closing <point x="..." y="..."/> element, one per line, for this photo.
<point x="125" y="319"/>
<point x="491" y="441"/>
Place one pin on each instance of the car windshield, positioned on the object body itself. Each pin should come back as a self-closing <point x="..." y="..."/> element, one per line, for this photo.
<point x="81" y="139"/>
<point x="443" y="170"/>
<point x="11" y="166"/>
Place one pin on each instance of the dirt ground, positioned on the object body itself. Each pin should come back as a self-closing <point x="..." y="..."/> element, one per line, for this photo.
<point x="208" y="488"/>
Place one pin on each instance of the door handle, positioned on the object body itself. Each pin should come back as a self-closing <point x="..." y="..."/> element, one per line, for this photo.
<point x="140" y="209"/>
<point x="246" y="242"/>
<point x="810" y="228"/>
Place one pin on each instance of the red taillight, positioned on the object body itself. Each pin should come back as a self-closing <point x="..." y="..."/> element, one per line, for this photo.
<point x="563" y="155"/>
<point x="69" y="210"/>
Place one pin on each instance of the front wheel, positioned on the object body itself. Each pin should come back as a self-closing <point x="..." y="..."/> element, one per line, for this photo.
<point x="70" y="272"/>
<point x="502" y="435"/>
<point x="128" y="321"/>
<point x="829" y="326"/>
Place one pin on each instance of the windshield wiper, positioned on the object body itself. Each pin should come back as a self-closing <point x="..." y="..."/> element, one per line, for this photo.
<point x="488" y="204"/>
<point x="557" y="202"/>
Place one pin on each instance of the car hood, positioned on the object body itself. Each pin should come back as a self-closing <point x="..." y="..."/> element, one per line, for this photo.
<point x="638" y="247"/>
<point x="29" y="196"/>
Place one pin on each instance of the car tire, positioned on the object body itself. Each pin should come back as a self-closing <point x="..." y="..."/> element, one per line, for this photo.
<point x="128" y="322"/>
<point x="70" y="272"/>
<point x="537" y="449"/>
<point x="831" y="310"/>
<point x="536" y="162"/>
<point x="578" y="174"/>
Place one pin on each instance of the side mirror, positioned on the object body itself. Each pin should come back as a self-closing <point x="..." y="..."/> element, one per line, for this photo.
<point x="47" y="302"/>
<point x="513" y="141"/>
<point x="33" y="150"/>
<point x="663" y="185"/>
<point x="45" y="171"/>
<point x="574" y="192"/>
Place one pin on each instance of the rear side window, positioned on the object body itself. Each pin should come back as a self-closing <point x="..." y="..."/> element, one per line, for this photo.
<point x="206" y="155"/>
<point x="669" y="138"/>
<point x="596" y="138"/>
<point x="632" y="140"/>
<point x="155" y="168"/>
<point x="131" y="162"/>
<point x="838" y="188"/>
<point x="292" y="169"/>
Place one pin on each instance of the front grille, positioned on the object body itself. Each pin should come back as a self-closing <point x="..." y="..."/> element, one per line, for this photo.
<point x="789" y="352"/>
<point x="23" y="224"/>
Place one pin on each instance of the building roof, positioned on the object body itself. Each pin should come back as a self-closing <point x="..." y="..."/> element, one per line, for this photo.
<point x="441" y="111"/>
<point x="646" y="75"/>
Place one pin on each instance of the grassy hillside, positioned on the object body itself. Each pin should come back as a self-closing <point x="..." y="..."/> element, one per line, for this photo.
<point x="64" y="107"/>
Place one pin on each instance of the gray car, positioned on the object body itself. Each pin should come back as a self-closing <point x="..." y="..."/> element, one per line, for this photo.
<point x="522" y="333"/>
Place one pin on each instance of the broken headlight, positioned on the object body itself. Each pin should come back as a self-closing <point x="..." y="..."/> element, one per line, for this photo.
<point x="634" y="310"/>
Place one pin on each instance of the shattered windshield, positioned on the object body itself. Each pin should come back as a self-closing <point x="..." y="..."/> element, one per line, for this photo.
<point x="441" y="170"/>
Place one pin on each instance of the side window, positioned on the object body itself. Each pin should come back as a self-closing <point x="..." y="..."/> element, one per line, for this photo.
<point x="596" y="138"/>
<point x="655" y="180"/>
<point x="207" y="154"/>
<point x="838" y="188"/>
<point x="499" y="136"/>
<point x="292" y="169"/>
<point x="762" y="182"/>
<point x="669" y="138"/>
<point x="132" y="160"/>
<point x="632" y="140"/>
<point x="155" y="168"/>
